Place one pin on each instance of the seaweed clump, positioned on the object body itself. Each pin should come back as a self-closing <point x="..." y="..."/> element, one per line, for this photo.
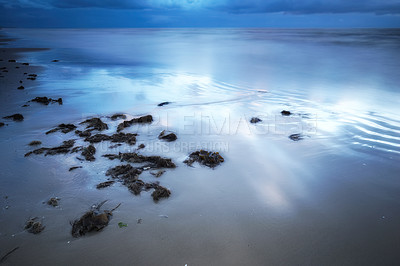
<point x="62" y="149"/>
<point x="15" y="117"/>
<point x="46" y="101"/>
<point x="167" y="136"/>
<point x="160" y="192"/>
<point x="128" y="138"/>
<point x="118" y="116"/>
<point x="35" y="143"/>
<point x="95" y="124"/>
<point x="33" y="226"/>
<point x="53" y="202"/>
<point x="88" y="153"/>
<point x="105" y="184"/>
<point x="125" y="173"/>
<point x="93" y="220"/>
<point x="140" y="120"/>
<point x="129" y="177"/>
<point x="64" y="128"/>
<point x="210" y="159"/>
<point x="296" y="137"/>
<point x="74" y="167"/>
<point x="163" y="103"/>
<point x="155" y="161"/>
<point x="254" y="120"/>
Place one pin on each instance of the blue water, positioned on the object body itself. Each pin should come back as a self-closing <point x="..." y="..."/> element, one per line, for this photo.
<point x="331" y="198"/>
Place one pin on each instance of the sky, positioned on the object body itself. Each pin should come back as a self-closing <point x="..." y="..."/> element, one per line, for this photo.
<point x="199" y="13"/>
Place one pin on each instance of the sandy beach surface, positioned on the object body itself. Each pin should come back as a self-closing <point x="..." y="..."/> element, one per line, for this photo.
<point x="329" y="196"/>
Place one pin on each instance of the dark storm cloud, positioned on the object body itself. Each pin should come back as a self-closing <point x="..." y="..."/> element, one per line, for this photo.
<point x="310" y="6"/>
<point x="107" y="4"/>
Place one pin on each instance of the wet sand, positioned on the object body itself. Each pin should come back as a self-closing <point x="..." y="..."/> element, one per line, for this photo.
<point x="272" y="201"/>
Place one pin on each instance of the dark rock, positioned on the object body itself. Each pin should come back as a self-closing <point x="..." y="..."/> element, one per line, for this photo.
<point x="255" y="120"/>
<point x="210" y="159"/>
<point x="160" y="192"/>
<point x="35" y="143"/>
<point x="163" y="103"/>
<point x="139" y="120"/>
<point x="32" y="75"/>
<point x="74" y="167"/>
<point x="33" y="226"/>
<point x="286" y="113"/>
<point x="141" y="146"/>
<point x="20" y="81"/>
<point x="296" y="137"/>
<point x="64" y="128"/>
<point x="95" y="124"/>
<point x="2" y="124"/>
<point x="53" y="202"/>
<point x="25" y="64"/>
<point x="5" y="71"/>
<point x="167" y="136"/>
<point x="25" y="105"/>
<point x="12" y="61"/>
<point x="105" y="184"/>
<point x="88" y="153"/>
<point x="31" y="78"/>
<point x="15" y="117"/>
<point x="55" y="60"/>
<point x="83" y="134"/>
<point x="118" y="116"/>
<point x="46" y="101"/>
<point x="20" y="88"/>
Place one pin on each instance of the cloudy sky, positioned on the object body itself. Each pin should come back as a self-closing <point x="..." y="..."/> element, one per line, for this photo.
<point x="200" y="13"/>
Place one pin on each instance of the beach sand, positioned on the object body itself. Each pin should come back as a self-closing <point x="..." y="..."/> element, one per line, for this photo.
<point x="272" y="201"/>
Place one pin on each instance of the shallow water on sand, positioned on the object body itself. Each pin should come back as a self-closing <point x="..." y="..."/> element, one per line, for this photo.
<point x="331" y="198"/>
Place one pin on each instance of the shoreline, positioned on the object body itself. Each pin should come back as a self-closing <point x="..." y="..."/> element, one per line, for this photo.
<point x="17" y="78"/>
